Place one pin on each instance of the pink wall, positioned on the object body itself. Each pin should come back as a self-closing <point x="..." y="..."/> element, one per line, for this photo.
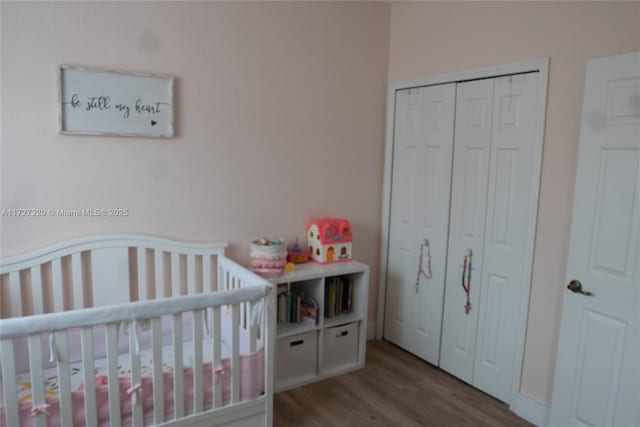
<point x="280" y="119"/>
<point x="439" y="37"/>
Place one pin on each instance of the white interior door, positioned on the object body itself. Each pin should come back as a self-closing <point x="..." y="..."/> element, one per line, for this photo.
<point x="597" y="370"/>
<point x="421" y="179"/>
<point x="474" y="106"/>
<point x="509" y="230"/>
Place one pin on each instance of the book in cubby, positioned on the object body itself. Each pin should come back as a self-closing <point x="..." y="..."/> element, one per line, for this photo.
<point x="338" y="296"/>
<point x="295" y="305"/>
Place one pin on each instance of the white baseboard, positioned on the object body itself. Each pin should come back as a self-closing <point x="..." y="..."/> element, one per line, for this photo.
<point x="531" y="410"/>
<point x="371" y="330"/>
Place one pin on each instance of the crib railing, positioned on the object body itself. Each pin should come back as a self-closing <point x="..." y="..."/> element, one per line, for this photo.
<point x="82" y="273"/>
<point x="112" y="317"/>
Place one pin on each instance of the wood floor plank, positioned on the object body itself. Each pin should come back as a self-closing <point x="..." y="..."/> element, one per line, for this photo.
<point x="394" y="389"/>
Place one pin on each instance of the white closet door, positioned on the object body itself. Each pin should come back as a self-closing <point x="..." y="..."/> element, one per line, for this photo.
<point x="509" y="224"/>
<point x="423" y="143"/>
<point x="468" y="206"/>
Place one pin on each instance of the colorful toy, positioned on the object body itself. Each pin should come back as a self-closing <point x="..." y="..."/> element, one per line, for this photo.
<point x="329" y="240"/>
<point x="297" y="255"/>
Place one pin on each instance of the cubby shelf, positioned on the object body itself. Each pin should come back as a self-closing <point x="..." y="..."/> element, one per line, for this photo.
<point x="308" y="351"/>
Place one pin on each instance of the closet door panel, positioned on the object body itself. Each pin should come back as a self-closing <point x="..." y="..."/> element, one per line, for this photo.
<point x="467" y="224"/>
<point x="509" y="208"/>
<point x="402" y="219"/>
<point x="423" y="143"/>
<point x="433" y="217"/>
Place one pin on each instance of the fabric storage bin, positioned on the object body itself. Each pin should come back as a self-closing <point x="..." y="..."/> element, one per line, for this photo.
<point x="296" y="357"/>
<point x="340" y="347"/>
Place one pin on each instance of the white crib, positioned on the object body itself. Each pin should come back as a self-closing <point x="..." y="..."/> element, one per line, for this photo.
<point x="156" y="331"/>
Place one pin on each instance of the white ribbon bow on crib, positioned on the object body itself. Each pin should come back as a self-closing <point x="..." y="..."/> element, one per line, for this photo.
<point x="40" y="409"/>
<point x="218" y="371"/>
<point x="133" y="392"/>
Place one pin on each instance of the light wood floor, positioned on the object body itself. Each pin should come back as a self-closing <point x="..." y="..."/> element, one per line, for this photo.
<point x="394" y="389"/>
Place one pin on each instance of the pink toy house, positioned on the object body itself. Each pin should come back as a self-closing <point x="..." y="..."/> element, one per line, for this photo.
<point x="329" y="240"/>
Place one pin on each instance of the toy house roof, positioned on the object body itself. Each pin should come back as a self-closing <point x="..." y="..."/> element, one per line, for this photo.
<point x="333" y="230"/>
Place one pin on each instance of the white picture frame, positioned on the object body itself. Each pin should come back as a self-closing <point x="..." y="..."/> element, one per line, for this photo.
<point x="95" y="101"/>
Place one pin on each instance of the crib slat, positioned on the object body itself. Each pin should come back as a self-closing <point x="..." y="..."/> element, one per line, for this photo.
<point x="136" y="409"/>
<point x="253" y="329"/>
<point x="235" y="353"/>
<point x="166" y="273"/>
<point x="262" y="327"/>
<point x="198" y="397"/>
<point x="37" y="286"/>
<point x="191" y="274"/>
<point x="16" y="294"/>
<point x="158" y="382"/>
<point x="64" y="382"/>
<point x="216" y="342"/>
<point x="175" y="274"/>
<point x="37" y="386"/>
<point x="243" y="308"/>
<point x="158" y="259"/>
<point x="9" y="383"/>
<point x="87" y="376"/>
<point x="58" y="288"/>
<point x="178" y="367"/>
<point x="142" y="273"/>
<point x="220" y="279"/>
<point x="78" y="284"/>
<point x="111" y="338"/>
<point x="207" y="285"/>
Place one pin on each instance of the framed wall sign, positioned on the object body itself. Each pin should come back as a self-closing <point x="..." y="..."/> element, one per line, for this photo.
<point x="108" y="102"/>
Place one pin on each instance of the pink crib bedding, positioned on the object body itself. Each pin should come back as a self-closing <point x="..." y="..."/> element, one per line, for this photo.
<point x="251" y="386"/>
<point x="251" y="376"/>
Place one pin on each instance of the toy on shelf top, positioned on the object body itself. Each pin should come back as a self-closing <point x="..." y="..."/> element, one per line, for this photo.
<point x="268" y="257"/>
<point x="297" y="255"/>
<point x="329" y="240"/>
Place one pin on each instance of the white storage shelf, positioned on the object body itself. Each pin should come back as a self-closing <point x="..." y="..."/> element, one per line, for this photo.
<point x="308" y="352"/>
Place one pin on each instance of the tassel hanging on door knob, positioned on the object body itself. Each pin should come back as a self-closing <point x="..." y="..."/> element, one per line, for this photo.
<point x="466" y="278"/>
<point x="425" y="244"/>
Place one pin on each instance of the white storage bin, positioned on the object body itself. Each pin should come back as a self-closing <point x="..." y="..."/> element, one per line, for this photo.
<point x="296" y="357"/>
<point x="340" y="347"/>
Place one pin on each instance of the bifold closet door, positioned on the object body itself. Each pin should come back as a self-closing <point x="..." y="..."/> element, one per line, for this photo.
<point x="420" y="190"/>
<point x="497" y="223"/>
<point x="472" y="153"/>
